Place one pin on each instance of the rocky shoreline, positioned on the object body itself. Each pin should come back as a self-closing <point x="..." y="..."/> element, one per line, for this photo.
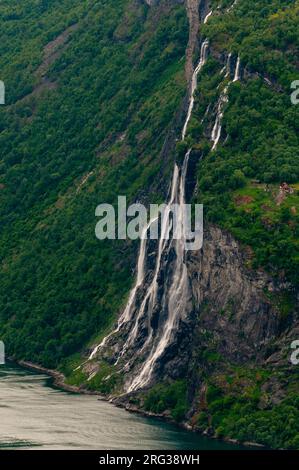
<point x="59" y="381"/>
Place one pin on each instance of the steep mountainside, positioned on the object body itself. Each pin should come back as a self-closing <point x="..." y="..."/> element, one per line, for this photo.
<point x="158" y="100"/>
<point x="88" y="109"/>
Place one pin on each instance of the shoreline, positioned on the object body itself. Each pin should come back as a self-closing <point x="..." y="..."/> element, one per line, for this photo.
<point x="58" y="378"/>
<point x="59" y="382"/>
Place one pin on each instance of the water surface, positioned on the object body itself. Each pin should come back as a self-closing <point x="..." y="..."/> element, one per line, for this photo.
<point x="35" y="415"/>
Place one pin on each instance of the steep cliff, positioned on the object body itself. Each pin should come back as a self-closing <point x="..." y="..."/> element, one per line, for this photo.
<point x="166" y="100"/>
<point x="231" y="338"/>
<point x="102" y="124"/>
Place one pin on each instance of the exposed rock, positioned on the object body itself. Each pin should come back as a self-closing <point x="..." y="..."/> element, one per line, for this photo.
<point x="196" y="10"/>
<point x="227" y="311"/>
<point x="54" y="49"/>
<point x="194" y="21"/>
<point x="151" y="2"/>
<point x="229" y="298"/>
<point x="155" y="2"/>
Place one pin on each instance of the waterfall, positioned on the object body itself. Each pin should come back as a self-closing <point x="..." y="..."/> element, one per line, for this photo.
<point x="228" y="63"/>
<point x="169" y="297"/>
<point x="237" y="71"/>
<point x="202" y="61"/>
<point x="207" y="17"/>
<point x="140" y="277"/>
<point x="226" y="67"/>
<point x="177" y="295"/>
<point x="223" y="100"/>
<point x="232" y="6"/>
<point x="151" y="294"/>
<point x="176" y="298"/>
<point x="216" y="131"/>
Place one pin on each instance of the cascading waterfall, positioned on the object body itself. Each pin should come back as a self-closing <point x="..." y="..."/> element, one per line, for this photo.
<point x="169" y="298"/>
<point x="207" y="17"/>
<point x="216" y="131"/>
<point x="175" y="299"/>
<point x="223" y="100"/>
<point x="202" y="61"/>
<point x="151" y="293"/>
<point x="178" y="292"/>
<point x="232" y="6"/>
<point x="140" y="278"/>
<point x="237" y="71"/>
<point x="161" y="296"/>
<point x="228" y="63"/>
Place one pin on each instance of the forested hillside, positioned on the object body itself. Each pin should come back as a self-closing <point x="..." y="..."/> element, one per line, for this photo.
<point x="260" y="132"/>
<point x="91" y="89"/>
<point x="96" y="95"/>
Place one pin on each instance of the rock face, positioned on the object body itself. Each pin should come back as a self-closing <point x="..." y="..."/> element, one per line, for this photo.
<point x="230" y="314"/>
<point x="151" y="2"/>
<point x="223" y="308"/>
<point x="192" y="7"/>
<point x="155" y="2"/>
<point x="229" y="300"/>
<point x="160" y="302"/>
<point x="227" y="312"/>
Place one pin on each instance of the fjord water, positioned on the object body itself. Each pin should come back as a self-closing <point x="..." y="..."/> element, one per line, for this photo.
<point x="35" y="415"/>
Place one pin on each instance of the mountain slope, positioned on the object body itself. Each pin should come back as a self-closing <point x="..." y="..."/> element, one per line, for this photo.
<point x="96" y="100"/>
<point x="109" y="98"/>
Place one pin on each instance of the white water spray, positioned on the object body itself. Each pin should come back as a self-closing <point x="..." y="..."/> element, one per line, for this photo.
<point x="177" y="296"/>
<point x="140" y="278"/>
<point x="202" y="61"/>
<point x="232" y="6"/>
<point x="223" y="100"/>
<point x="179" y="289"/>
<point x="151" y="294"/>
<point x="176" y="292"/>
<point x="237" y="71"/>
<point x="207" y="17"/>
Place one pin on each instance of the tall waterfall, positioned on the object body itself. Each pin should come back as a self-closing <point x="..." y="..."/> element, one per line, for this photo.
<point x="237" y="71"/>
<point x="177" y="292"/>
<point x="159" y="299"/>
<point x="223" y="100"/>
<point x="132" y="297"/>
<point x="202" y="61"/>
<point x="216" y="131"/>
<point x="207" y="17"/>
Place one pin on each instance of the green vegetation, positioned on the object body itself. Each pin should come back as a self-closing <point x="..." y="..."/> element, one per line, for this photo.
<point x="104" y="105"/>
<point x="92" y="91"/>
<point x="239" y="185"/>
<point x="239" y="182"/>
<point x="170" y="397"/>
<point x="240" y="406"/>
<point x="105" y="380"/>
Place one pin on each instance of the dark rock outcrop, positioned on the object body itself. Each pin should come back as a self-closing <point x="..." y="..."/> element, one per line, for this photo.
<point x="227" y="310"/>
<point x="229" y="299"/>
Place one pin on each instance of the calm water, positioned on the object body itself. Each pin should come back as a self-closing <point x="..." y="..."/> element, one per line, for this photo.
<point x="35" y="415"/>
